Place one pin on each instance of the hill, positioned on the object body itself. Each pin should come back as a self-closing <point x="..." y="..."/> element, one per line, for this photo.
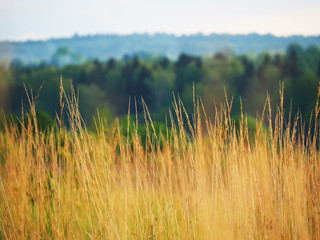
<point x="103" y="47"/>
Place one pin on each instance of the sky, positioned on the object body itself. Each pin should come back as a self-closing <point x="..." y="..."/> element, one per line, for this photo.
<point x="42" y="19"/>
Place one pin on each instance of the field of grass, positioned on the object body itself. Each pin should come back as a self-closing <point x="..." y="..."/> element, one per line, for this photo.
<point x="200" y="180"/>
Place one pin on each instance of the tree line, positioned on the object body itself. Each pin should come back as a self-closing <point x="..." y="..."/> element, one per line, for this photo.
<point x="108" y="85"/>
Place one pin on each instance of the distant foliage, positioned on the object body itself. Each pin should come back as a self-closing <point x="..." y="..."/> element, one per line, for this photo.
<point x="112" y="84"/>
<point x="43" y="120"/>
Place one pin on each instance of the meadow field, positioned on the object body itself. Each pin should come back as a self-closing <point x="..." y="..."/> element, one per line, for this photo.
<point x="200" y="178"/>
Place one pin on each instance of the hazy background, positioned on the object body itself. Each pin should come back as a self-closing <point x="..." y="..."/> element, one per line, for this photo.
<point x="115" y="50"/>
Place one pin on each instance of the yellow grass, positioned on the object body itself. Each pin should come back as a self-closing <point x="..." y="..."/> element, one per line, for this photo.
<point x="204" y="182"/>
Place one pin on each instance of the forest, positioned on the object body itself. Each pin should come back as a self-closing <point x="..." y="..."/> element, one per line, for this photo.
<point x="109" y="86"/>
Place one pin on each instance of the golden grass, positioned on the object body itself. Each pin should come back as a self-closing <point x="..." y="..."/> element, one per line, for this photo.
<point x="209" y="183"/>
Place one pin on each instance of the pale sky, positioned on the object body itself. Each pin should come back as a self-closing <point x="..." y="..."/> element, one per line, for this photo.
<point x="43" y="19"/>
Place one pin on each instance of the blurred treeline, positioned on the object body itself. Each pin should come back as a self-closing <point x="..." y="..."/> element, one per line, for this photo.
<point x="107" y="85"/>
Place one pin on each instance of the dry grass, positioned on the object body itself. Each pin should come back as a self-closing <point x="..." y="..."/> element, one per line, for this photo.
<point x="217" y="185"/>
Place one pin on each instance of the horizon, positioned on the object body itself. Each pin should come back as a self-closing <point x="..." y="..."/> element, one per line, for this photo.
<point x="22" y="20"/>
<point x="154" y="34"/>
